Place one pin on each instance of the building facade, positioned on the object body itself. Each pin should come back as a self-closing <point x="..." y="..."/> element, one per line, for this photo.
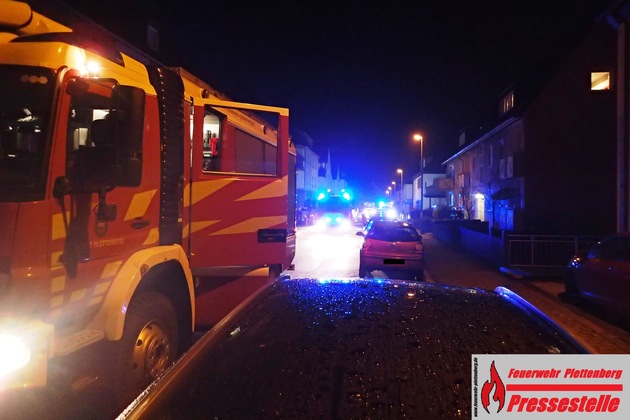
<point x="548" y="166"/>
<point x="430" y="195"/>
<point x="306" y="182"/>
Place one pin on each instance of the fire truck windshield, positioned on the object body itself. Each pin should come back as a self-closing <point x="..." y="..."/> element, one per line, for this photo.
<point x="25" y="106"/>
<point x="335" y="204"/>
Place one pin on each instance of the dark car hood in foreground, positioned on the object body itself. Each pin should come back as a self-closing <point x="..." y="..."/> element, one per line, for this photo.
<point x="349" y="349"/>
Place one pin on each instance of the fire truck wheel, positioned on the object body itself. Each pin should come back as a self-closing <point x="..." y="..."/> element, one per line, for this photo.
<point x="148" y="345"/>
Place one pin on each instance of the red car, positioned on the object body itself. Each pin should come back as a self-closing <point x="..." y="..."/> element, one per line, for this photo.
<point x="603" y="275"/>
<point x="392" y="247"/>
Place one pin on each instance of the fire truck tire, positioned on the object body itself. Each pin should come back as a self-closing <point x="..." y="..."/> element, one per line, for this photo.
<point x="148" y="345"/>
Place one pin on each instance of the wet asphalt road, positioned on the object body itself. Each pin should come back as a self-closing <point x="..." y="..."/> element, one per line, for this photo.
<point x="334" y="253"/>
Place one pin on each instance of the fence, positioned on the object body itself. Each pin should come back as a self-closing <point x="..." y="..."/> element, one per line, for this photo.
<point x="535" y="252"/>
<point x="522" y="255"/>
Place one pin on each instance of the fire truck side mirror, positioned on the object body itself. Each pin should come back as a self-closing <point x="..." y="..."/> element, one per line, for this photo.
<point x="128" y="114"/>
<point x="130" y="174"/>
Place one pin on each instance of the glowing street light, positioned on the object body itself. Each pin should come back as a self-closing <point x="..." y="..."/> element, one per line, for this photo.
<point x="419" y="139"/>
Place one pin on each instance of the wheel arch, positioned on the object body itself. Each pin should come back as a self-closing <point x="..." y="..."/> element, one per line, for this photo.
<point x="163" y="269"/>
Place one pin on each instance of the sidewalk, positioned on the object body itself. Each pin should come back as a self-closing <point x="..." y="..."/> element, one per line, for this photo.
<point x="447" y="265"/>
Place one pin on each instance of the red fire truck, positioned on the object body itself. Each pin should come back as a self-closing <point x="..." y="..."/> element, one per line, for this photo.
<point x="120" y="183"/>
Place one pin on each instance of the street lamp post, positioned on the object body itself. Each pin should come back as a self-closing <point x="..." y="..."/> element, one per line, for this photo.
<point x="392" y="188"/>
<point x="418" y="138"/>
<point x="400" y="171"/>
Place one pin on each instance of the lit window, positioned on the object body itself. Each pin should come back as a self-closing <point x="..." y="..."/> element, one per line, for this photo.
<point x="600" y="80"/>
<point x="507" y="103"/>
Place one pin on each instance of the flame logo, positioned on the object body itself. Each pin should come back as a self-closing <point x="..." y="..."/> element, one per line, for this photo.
<point x="499" y="390"/>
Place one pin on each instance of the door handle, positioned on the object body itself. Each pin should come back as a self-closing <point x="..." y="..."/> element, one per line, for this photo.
<point x="139" y="224"/>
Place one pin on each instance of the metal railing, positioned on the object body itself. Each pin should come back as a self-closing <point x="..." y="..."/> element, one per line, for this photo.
<point x="545" y="251"/>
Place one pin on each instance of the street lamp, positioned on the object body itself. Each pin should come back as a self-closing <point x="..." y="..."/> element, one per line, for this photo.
<point x="418" y="138"/>
<point x="400" y="171"/>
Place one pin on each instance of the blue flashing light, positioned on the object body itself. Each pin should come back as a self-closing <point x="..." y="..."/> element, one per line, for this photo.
<point x="346" y="196"/>
<point x="321" y="196"/>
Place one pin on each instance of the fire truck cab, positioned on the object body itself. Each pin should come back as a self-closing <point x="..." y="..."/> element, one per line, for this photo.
<point x="120" y="181"/>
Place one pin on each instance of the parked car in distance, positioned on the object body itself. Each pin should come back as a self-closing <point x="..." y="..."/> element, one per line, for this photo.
<point x="391" y="246"/>
<point x="304" y="217"/>
<point x="602" y="276"/>
<point x="349" y="348"/>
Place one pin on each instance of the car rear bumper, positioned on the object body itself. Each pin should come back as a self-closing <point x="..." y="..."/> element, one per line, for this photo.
<point x="398" y="263"/>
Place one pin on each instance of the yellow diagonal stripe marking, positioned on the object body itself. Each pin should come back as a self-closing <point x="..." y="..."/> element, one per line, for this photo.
<point x="78" y="295"/>
<point x="197" y="226"/>
<point x="152" y="237"/>
<point x="101" y="287"/>
<point x="110" y="269"/>
<point x="56" y="301"/>
<point x="252" y="225"/>
<point x="54" y="259"/>
<point x="58" y="227"/>
<point x="275" y="189"/>
<point x="139" y="204"/>
<point x="58" y="284"/>
<point x="203" y="189"/>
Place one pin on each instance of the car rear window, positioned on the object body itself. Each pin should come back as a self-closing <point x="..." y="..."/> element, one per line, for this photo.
<point x="356" y="349"/>
<point x="393" y="233"/>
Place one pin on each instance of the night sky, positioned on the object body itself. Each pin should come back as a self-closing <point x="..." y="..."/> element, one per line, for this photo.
<point x="360" y="77"/>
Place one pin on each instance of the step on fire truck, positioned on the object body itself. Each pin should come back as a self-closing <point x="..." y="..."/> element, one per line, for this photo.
<point x="120" y="183"/>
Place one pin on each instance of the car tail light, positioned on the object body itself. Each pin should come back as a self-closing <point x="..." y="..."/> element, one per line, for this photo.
<point x="367" y="245"/>
<point x="418" y="249"/>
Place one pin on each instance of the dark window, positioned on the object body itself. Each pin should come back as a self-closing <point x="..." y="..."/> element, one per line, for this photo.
<point x="25" y="104"/>
<point x="393" y="233"/>
<point x="244" y="153"/>
<point x="254" y="155"/>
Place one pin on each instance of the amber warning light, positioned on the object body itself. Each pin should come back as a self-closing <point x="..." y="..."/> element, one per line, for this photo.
<point x="550" y="386"/>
